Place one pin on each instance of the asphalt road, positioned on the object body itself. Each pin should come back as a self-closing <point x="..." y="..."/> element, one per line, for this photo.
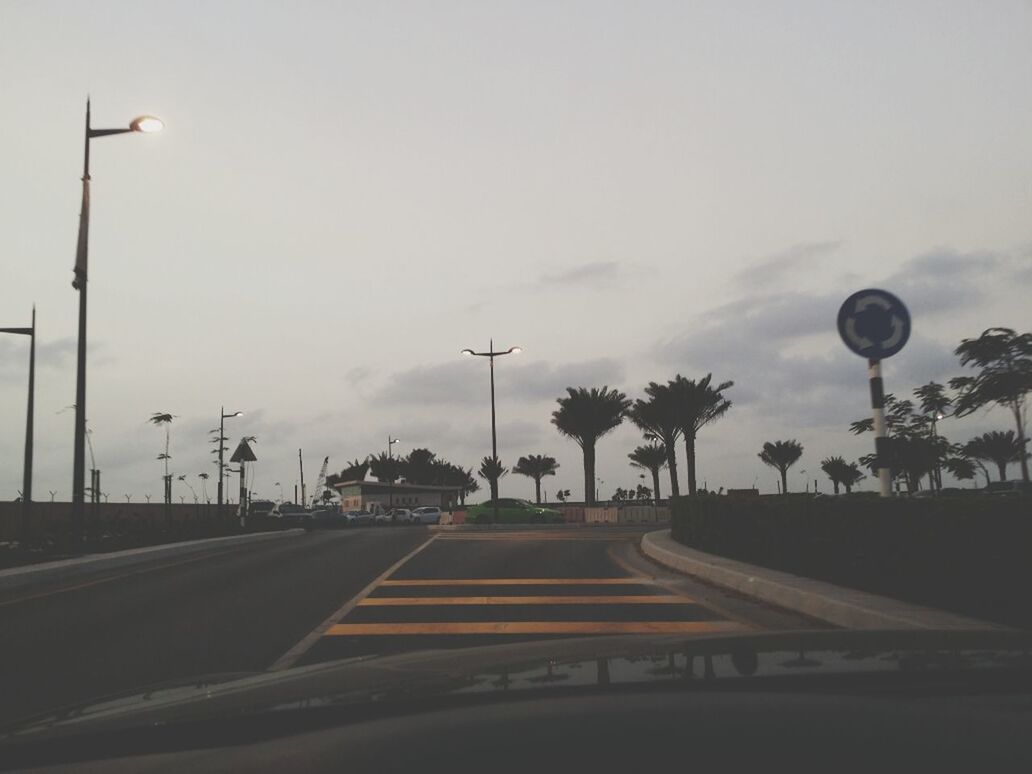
<point x="305" y="598"/>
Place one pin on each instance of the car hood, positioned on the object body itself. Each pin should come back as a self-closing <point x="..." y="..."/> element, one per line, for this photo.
<point x="540" y="665"/>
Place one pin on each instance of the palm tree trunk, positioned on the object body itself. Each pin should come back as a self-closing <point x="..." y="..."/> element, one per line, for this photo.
<point x="655" y="485"/>
<point x="849" y="489"/>
<point x="1002" y="466"/>
<point x="689" y="449"/>
<point x="675" y="489"/>
<point x="1022" y="459"/>
<point x="537" y="490"/>
<point x="834" y="483"/>
<point x="784" y="481"/>
<point x="494" y="487"/>
<point x="589" y="473"/>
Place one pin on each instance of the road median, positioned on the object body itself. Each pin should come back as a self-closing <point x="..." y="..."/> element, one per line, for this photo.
<point x="63" y="569"/>
<point x="836" y="605"/>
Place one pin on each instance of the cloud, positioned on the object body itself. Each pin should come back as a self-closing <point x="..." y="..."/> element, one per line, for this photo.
<point x="357" y="375"/>
<point x="944" y="280"/>
<point x="784" y="356"/>
<point x="768" y="271"/>
<point x="464" y="382"/>
<point x="593" y="273"/>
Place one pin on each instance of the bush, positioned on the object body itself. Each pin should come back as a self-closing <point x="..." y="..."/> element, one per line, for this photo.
<point x="965" y="554"/>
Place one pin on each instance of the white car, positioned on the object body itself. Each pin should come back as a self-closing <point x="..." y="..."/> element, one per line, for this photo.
<point x="358" y="518"/>
<point x="395" y="516"/>
<point x="428" y="514"/>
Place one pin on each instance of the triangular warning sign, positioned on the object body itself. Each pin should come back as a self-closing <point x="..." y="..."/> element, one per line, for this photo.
<point x="243" y="453"/>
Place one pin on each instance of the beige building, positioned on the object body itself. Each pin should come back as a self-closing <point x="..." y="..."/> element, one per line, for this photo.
<point x="376" y="496"/>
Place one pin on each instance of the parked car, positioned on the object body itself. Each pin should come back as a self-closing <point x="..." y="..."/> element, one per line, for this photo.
<point x="261" y="507"/>
<point x="394" y="516"/>
<point x="358" y="518"/>
<point x="291" y="512"/>
<point x="512" y="511"/>
<point x="323" y="518"/>
<point x="427" y="514"/>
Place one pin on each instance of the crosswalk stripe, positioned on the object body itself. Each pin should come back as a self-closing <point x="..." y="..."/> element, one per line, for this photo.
<point x="631" y="599"/>
<point x="518" y="582"/>
<point x="538" y="627"/>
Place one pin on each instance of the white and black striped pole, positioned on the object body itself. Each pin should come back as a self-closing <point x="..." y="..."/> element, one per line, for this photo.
<point x="881" y="440"/>
<point x="875" y="324"/>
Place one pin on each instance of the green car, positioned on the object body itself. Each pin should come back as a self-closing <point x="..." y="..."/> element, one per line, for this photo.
<point x="511" y="511"/>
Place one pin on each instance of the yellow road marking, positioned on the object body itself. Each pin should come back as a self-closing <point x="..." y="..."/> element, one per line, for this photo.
<point x="634" y="599"/>
<point x="539" y="627"/>
<point x="518" y="582"/>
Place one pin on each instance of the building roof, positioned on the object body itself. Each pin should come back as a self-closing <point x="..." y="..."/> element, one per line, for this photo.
<point x="395" y="487"/>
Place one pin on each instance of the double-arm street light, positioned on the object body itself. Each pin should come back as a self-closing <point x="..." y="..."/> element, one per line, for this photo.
<point x="140" y="124"/>
<point x="27" y="470"/>
<point x="223" y="416"/>
<point x="491" y="355"/>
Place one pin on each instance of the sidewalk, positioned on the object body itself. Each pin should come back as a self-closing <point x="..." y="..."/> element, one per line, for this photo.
<point x="824" y="601"/>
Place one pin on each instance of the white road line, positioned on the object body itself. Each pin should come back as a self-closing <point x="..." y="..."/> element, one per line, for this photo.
<point x="292" y="656"/>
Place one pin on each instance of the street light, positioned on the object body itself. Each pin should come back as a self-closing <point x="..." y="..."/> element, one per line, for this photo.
<point x="27" y="469"/>
<point x="223" y="416"/>
<point x="390" y="472"/>
<point x="491" y="355"/>
<point x="142" y="124"/>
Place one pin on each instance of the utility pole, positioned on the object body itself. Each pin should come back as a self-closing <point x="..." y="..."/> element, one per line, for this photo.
<point x="27" y="469"/>
<point x="301" y="465"/>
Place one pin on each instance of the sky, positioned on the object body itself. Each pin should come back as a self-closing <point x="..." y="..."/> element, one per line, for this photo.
<point x="347" y="194"/>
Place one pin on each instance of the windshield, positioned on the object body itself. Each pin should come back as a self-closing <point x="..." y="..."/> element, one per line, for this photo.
<point x="690" y="320"/>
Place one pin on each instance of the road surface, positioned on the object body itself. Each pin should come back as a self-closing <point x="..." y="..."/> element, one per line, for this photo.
<point x="305" y="598"/>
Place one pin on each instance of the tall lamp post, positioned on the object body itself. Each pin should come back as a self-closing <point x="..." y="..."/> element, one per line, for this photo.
<point x="491" y="355"/>
<point x="27" y="470"/>
<point x="140" y="124"/>
<point x="223" y="416"/>
<point x="390" y="471"/>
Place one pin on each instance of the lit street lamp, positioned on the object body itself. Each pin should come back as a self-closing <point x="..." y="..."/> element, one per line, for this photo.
<point x="144" y="124"/>
<point x="223" y="416"/>
<point x="491" y="355"/>
<point x="27" y="469"/>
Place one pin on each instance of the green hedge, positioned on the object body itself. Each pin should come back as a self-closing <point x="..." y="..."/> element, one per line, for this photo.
<point x="972" y="555"/>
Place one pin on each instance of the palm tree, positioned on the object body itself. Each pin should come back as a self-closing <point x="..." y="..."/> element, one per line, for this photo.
<point x="698" y="404"/>
<point x="585" y="416"/>
<point x="385" y="467"/>
<point x="204" y="484"/>
<point x="536" y="466"/>
<point x="491" y="469"/>
<point x="159" y="419"/>
<point x="998" y="447"/>
<point x="782" y="455"/>
<point x="935" y="405"/>
<point x="652" y="458"/>
<point x="851" y="474"/>
<point x="834" y="467"/>
<point x="964" y="469"/>
<point x="462" y="479"/>
<point x="658" y="419"/>
<point x="1004" y="360"/>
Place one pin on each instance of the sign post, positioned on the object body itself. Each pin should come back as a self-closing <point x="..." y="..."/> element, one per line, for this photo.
<point x="243" y="455"/>
<point x="876" y="325"/>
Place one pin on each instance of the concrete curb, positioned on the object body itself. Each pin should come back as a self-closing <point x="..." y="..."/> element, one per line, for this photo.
<point x="826" y="602"/>
<point x="17" y="577"/>
<point x="525" y="527"/>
